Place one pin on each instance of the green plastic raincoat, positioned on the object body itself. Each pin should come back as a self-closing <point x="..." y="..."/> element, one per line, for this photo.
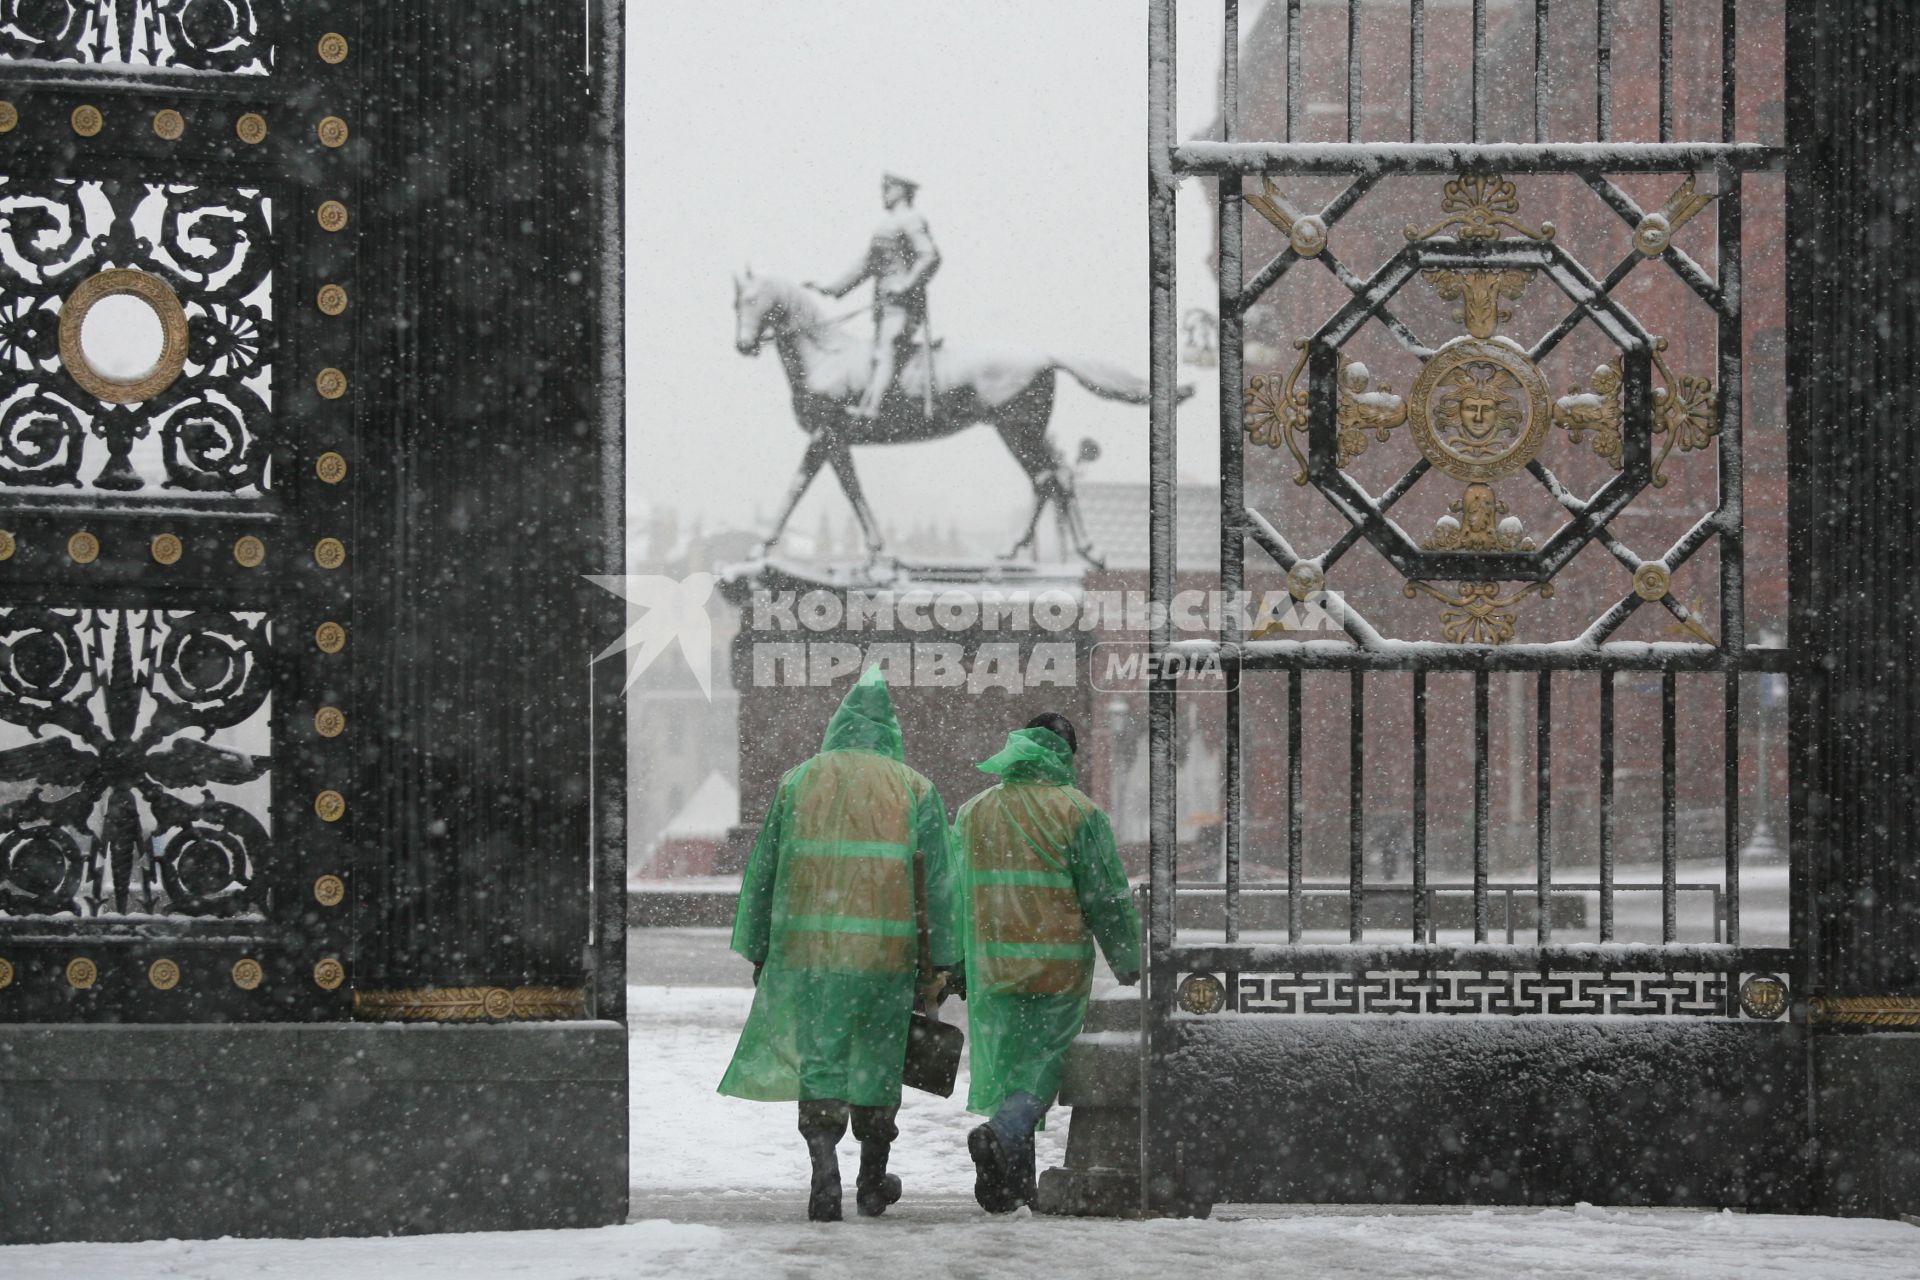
<point x="827" y="906"/>
<point x="1040" y="882"/>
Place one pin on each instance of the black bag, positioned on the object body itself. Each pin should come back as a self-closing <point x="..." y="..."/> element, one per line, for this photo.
<point x="933" y="1054"/>
<point x="933" y="1046"/>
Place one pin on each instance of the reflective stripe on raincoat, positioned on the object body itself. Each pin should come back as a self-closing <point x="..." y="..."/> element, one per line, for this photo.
<point x="1040" y="882"/>
<point x="826" y="905"/>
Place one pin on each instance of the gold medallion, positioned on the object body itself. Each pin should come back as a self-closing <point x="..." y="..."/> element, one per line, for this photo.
<point x="1479" y="410"/>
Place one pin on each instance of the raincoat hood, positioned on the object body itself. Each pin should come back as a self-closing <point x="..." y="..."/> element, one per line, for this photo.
<point x="865" y="720"/>
<point x="1033" y="755"/>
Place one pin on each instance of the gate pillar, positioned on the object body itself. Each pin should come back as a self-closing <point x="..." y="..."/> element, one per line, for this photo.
<point x="1854" y="374"/>
<point x="303" y="744"/>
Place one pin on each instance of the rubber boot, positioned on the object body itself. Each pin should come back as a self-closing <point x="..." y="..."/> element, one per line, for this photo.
<point x="995" y="1171"/>
<point x="875" y="1188"/>
<point x="823" y="1124"/>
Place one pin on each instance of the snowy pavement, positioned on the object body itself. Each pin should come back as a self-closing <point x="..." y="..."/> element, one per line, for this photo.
<point x="717" y="1191"/>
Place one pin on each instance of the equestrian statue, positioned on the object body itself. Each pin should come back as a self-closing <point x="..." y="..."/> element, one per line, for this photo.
<point x="903" y="386"/>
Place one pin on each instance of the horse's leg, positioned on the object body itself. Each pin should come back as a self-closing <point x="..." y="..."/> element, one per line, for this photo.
<point x="1024" y="429"/>
<point x="841" y="455"/>
<point x="816" y="454"/>
<point x="1074" y="526"/>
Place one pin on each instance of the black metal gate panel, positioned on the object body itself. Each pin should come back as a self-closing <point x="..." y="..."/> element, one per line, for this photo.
<point x="178" y="215"/>
<point x="1434" y="371"/>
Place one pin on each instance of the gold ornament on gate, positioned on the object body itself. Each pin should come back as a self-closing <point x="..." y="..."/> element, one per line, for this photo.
<point x="332" y="131"/>
<point x="83" y="548"/>
<point x="331" y="300"/>
<point x="329" y="722"/>
<point x="329" y="891"/>
<point x="1652" y="581"/>
<point x="332" y="215"/>
<point x="329" y="553"/>
<point x="164" y="975"/>
<point x="331" y="467"/>
<point x="7" y="545"/>
<point x="6" y="973"/>
<point x="87" y="120"/>
<point x="249" y="552"/>
<point x="330" y="383"/>
<point x="169" y="124"/>
<point x="1479" y="410"/>
<point x="82" y="973"/>
<point x="328" y="974"/>
<point x="159" y="297"/>
<point x="9" y="117"/>
<point x="251" y="128"/>
<point x="330" y="637"/>
<point x="247" y="974"/>
<point x="331" y="806"/>
<point x="333" y="48"/>
<point x="167" y="548"/>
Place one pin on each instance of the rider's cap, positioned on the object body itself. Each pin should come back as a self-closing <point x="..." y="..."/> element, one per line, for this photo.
<point x="895" y="180"/>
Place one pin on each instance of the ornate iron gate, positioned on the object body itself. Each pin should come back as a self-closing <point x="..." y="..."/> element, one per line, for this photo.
<point x="177" y="561"/>
<point x="1479" y="422"/>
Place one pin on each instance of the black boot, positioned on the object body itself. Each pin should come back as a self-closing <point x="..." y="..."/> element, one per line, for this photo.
<point x="997" y="1179"/>
<point x="875" y="1189"/>
<point x="823" y="1124"/>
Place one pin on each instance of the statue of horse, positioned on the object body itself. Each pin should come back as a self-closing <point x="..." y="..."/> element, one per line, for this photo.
<point x="1006" y="388"/>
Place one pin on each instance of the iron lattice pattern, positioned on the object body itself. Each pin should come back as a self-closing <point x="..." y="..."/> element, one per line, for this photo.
<point x="131" y="786"/>
<point x="184" y="35"/>
<point x="1486" y="992"/>
<point x="207" y="433"/>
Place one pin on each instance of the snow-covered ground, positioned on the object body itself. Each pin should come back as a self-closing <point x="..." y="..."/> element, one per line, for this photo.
<point x="717" y="1192"/>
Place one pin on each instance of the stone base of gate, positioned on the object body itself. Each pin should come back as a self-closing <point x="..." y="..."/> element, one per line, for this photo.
<point x="1102" y="1084"/>
<point x="1480" y="1110"/>
<point x="142" y="1132"/>
<point x="1867" y="1109"/>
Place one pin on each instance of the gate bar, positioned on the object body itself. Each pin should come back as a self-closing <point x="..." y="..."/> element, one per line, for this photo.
<point x="1232" y="460"/>
<point x="1477" y="115"/>
<point x="1421" y="907"/>
<point x="1669" y="810"/>
<point x="1479" y="806"/>
<point x="1440" y="957"/>
<point x="1606" y="806"/>
<point x="1603" y="71"/>
<point x="1353" y="70"/>
<point x="1356" y="805"/>
<point x="1162" y="464"/>
<point x="1293" y="69"/>
<point x="1416" y="74"/>
<point x="1542" y="71"/>
<point x="1347" y="159"/>
<point x="1296" y="804"/>
<point x="1543" y="810"/>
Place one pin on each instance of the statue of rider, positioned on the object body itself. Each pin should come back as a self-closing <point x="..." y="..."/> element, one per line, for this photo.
<point x="900" y="259"/>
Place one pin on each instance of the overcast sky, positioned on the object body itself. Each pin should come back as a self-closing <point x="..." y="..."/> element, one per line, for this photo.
<point x="757" y="133"/>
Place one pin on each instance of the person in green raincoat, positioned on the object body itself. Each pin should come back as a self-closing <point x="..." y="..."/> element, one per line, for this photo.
<point x="1040" y="883"/>
<point x="828" y="917"/>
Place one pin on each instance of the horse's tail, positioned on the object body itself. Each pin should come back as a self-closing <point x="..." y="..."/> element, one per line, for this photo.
<point x="1110" y="381"/>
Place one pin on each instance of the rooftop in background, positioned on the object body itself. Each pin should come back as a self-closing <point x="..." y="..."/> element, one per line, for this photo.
<point x="1116" y="516"/>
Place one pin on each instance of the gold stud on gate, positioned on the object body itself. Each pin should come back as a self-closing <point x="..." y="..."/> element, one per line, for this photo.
<point x="166" y="548"/>
<point x="247" y="974"/>
<point x="332" y="131"/>
<point x="1305" y="580"/>
<point x="329" y="722"/>
<point x="164" y="975"/>
<point x="330" y="467"/>
<point x="330" y="805"/>
<point x="331" y="300"/>
<point x="169" y="124"/>
<point x="328" y="974"/>
<point x="329" y="891"/>
<point x="330" y="637"/>
<point x="251" y="128"/>
<point x="333" y="48"/>
<point x="87" y="120"/>
<point x="329" y="553"/>
<point x="332" y="215"/>
<point x="1201" y="993"/>
<point x="6" y="973"/>
<point x="9" y="117"/>
<point x="249" y="552"/>
<point x="7" y="545"/>
<point x="162" y="305"/>
<point x="330" y="383"/>
<point x="1651" y="581"/>
<point x="82" y="973"/>
<point x="1763" y="997"/>
<point x="83" y="548"/>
